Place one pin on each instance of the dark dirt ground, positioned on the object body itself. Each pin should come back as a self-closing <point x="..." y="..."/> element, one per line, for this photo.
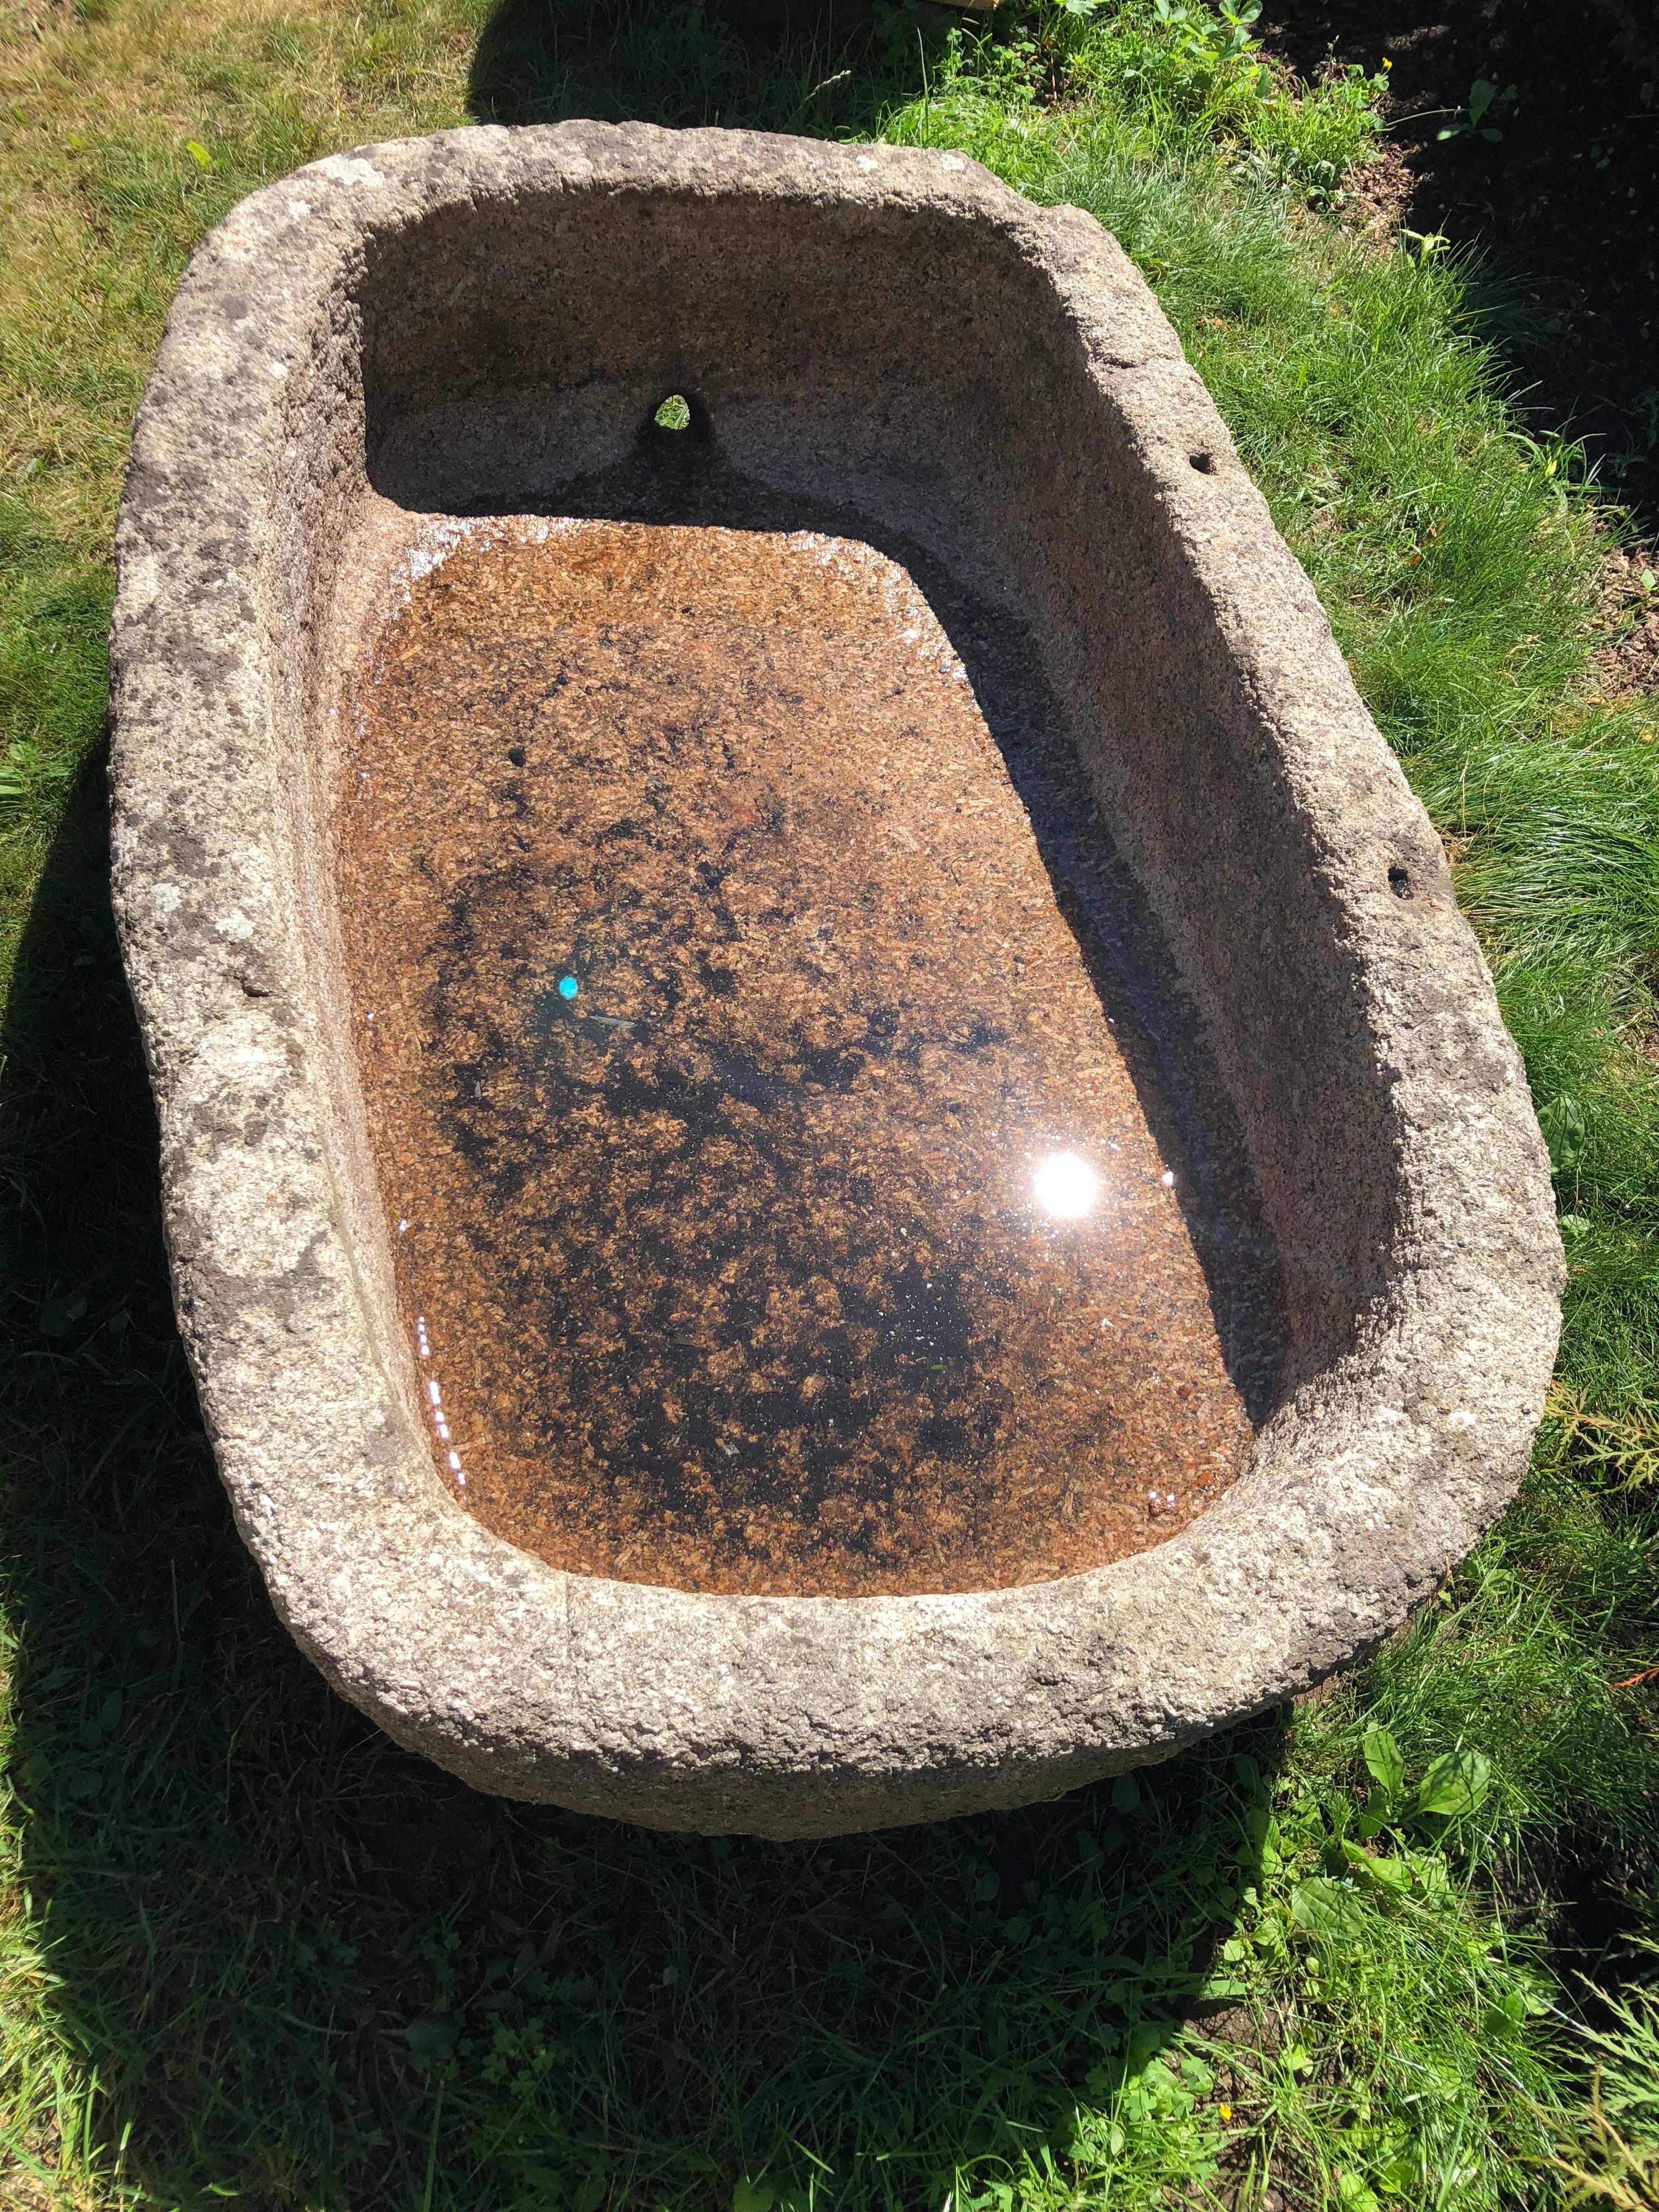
<point x="1563" y="209"/>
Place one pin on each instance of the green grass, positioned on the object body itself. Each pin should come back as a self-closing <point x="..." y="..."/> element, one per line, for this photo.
<point x="248" y="1951"/>
<point x="1610" y="2156"/>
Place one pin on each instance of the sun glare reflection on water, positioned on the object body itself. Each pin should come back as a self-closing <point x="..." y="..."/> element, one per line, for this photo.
<point x="1066" y="1187"/>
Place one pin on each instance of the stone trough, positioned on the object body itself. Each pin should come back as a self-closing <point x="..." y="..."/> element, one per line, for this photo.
<point x="833" y="1153"/>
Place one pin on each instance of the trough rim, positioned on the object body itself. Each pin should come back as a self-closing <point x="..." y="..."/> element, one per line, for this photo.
<point x="794" y="1715"/>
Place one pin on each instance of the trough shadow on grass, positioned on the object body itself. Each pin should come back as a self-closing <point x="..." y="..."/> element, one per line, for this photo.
<point x="304" y="1964"/>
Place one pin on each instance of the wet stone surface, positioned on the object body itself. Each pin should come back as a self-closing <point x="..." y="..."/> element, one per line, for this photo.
<point x="772" y="1206"/>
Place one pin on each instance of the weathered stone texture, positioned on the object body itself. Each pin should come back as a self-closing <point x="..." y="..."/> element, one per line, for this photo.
<point x="469" y="323"/>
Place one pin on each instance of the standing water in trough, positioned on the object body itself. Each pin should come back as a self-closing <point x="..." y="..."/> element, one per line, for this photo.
<point x="774" y="1209"/>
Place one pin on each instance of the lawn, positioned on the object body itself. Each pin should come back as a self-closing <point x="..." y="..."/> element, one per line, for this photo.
<point x="248" y="1951"/>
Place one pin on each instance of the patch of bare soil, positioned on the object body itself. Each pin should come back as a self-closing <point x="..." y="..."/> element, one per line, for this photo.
<point x="1379" y="195"/>
<point x="1627" y="663"/>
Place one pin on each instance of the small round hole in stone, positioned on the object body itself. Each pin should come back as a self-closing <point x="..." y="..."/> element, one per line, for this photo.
<point x="1399" y="882"/>
<point x="515" y="754"/>
<point x="674" y="414"/>
<point x="1204" y="463"/>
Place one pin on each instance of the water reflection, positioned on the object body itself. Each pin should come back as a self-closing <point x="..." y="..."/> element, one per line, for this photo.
<point x="1066" y="1187"/>
<point x="724" y="1251"/>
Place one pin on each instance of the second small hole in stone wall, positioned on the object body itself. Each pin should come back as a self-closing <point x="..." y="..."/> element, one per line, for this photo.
<point x="674" y="414"/>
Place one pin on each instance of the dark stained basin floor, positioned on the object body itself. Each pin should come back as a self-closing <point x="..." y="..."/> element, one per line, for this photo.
<point x="772" y="1206"/>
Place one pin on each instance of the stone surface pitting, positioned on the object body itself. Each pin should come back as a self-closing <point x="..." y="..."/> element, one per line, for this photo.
<point x="884" y="346"/>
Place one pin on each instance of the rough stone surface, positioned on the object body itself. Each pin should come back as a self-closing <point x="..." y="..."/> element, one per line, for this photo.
<point x="478" y="323"/>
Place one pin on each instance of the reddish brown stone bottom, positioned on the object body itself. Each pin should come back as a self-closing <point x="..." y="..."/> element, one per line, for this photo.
<point x="772" y="1206"/>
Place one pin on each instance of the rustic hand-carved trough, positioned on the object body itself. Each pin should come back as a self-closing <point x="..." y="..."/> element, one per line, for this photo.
<point x="832" y="1151"/>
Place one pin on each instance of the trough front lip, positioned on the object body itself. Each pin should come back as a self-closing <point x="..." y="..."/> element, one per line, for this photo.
<point x="779" y="1715"/>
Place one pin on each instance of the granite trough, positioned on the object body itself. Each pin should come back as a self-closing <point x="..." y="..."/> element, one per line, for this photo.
<point x="832" y="1151"/>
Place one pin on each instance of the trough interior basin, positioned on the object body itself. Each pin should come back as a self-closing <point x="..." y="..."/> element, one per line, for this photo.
<point x="808" y="1164"/>
<point x="801" y="1177"/>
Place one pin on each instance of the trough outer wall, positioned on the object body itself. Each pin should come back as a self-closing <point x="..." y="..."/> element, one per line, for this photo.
<point x="1420" y="1378"/>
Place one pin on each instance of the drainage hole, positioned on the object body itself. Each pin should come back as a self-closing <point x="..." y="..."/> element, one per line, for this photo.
<point x="1204" y="463"/>
<point x="515" y="754"/>
<point x="674" y="414"/>
<point x="1399" y="882"/>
